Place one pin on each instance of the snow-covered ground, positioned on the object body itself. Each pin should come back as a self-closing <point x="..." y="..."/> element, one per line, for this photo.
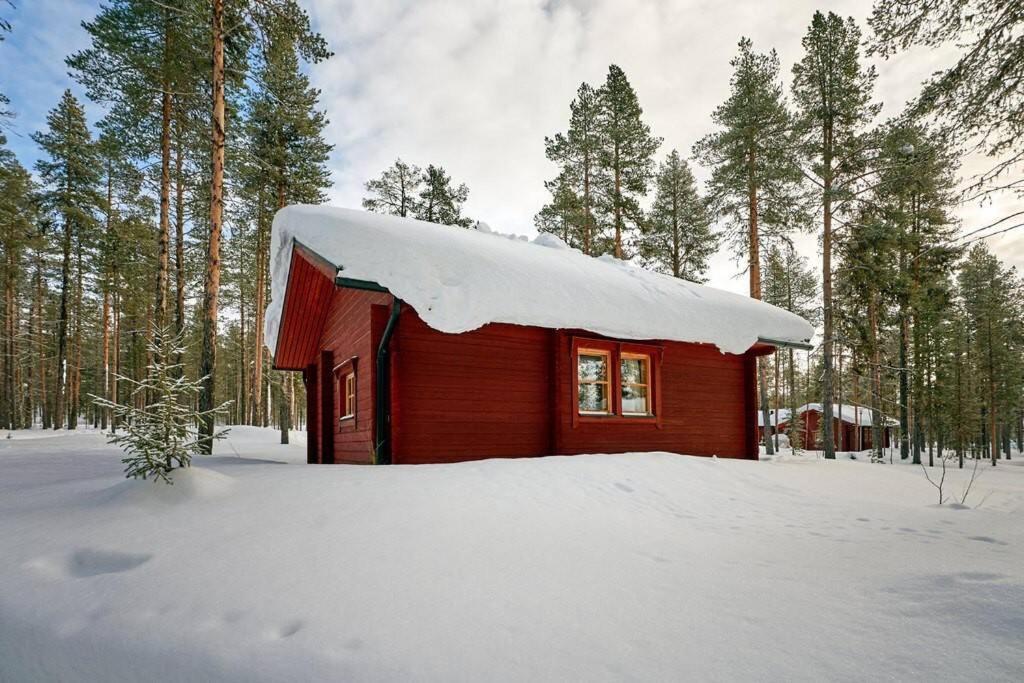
<point x="253" y="567"/>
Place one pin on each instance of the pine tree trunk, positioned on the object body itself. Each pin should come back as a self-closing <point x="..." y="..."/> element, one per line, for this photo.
<point x="618" y="206"/>
<point x="776" y="400"/>
<point x="259" y="312"/>
<point x="993" y="444"/>
<point x="754" y="268"/>
<point x="163" y="242"/>
<point x="105" y="371"/>
<point x="904" y="375"/>
<point x="44" y="408"/>
<point x="587" y="214"/>
<point x="115" y="279"/>
<point x="286" y="406"/>
<point x="208" y="357"/>
<point x="10" y="402"/>
<point x="62" y="329"/>
<point x="841" y="436"/>
<point x="74" y="396"/>
<point x="286" y="384"/>
<point x="876" y="379"/>
<point x="243" y="362"/>
<point x="826" y="292"/>
<point x="795" y="441"/>
<point x="179" y="236"/>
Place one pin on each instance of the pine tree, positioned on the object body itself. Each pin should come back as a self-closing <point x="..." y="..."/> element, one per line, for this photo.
<point x="279" y="19"/>
<point x="626" y="152"/>
<point x="676" y="238"/>
<point x="396" y="191"/>
<point x="755" y="181"/>
<point x="144" y="61"/>
<point x="975" y="98"/>
<point x="285" y="130"/>
<point x="789" y="283"/>
<point x="439" y="201"/>
<point x="833" y="93"/>
<point x="576" y="153"/>
<point x="17" y="216"/>
<point x="159" y="419"/>
<point x="563" y="216"/>
<point x="867" y="284"/>
<point x="70" y="179"/>
<point x="5" y="113"/>
<point x="991" y="295"/>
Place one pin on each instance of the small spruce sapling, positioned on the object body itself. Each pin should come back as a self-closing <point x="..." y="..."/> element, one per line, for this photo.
<point x="161" y="435"/>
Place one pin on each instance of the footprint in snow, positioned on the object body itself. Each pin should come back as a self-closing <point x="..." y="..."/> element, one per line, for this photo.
<point x="979" y="577"/>
<point x="290" y="629"/>
<point x="987" y="539"/>
<point x="624" y="487"/>
<point x="91" y="562"/>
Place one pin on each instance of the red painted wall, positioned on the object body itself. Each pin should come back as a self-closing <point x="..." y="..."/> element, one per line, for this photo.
<point x="347" y="335"/>
<point x="484" y="393"/>
<point x="704" y="396"/>
<point x="507" y="391"/>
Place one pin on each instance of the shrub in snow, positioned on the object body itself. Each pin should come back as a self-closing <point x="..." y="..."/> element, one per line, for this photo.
<point x="160" y="435"/>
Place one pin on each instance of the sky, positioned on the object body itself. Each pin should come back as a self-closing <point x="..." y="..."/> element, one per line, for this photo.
<point x="476" y="85"/>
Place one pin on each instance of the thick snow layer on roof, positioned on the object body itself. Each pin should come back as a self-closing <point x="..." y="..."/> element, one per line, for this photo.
<point x="853" y="414"/>
<point x="458" y="280"/>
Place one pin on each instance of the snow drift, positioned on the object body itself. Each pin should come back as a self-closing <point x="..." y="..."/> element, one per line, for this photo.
<point x="634" y="567"/>
<point x="458" y="280"/>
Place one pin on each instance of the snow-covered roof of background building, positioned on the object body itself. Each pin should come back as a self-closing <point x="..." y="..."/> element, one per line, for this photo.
<point x="853" y="414"/>
<point x="773" y="419"/>
<point x="458" y="280"/>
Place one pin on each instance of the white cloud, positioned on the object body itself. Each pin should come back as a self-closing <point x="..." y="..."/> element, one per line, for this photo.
<point x="476" y="86"/>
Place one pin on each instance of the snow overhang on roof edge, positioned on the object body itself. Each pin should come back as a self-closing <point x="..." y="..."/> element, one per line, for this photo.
<point x="458" y="280"/>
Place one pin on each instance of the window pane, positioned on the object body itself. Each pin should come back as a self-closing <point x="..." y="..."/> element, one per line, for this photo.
<point x="594" y="398"/>
<point x="593" y="368"/>
<point x="634" y="399"/>
<point x="634" y="371"/>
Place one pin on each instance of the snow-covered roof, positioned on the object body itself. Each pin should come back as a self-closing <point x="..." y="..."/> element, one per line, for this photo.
<point x="773" y="418"/>
<point x="458" y="280"/>
<point x="850" y="413"/>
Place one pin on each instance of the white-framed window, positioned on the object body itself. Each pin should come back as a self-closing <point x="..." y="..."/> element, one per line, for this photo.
<point x="635" y="383"/>
<point x="593" y="368"/>
<point x="348" y="395"/>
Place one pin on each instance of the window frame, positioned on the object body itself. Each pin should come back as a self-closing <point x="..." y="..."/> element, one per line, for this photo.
<point x="608" y="381"/>
<point x="648" y="393"/>
<point x="342" y="373"/>
<point x="615" y="351"/>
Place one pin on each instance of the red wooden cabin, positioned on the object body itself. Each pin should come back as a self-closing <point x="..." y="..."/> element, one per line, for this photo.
<point x="851" y="430"/>
<point x="384" y="384"/>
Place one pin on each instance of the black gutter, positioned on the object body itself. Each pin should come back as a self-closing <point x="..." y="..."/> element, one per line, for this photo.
<point x="382" y="395"/>
<point x="779" y="343"/>
<point x="352" y="283"/>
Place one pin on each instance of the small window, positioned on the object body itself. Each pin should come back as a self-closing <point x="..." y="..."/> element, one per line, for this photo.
<point x="593" y="368"/>
<point x="348" y="395"/>
<point x="635" y="376"/>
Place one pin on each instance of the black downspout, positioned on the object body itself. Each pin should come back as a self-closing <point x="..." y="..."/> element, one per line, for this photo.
<point x="382" y="396"/>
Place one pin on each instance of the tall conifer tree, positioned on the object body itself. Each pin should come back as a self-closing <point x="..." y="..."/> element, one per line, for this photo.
<point x="833" y="92"/>
<point x="576" y="153"/>
<point x="676" y="238"/>
<point x="626" y="152"/>
<point x="755" y="181"/>
<point x="70" y="178"/>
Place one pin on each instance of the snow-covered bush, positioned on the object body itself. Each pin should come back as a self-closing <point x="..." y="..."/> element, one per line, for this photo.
<point x="160" y="435"/>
